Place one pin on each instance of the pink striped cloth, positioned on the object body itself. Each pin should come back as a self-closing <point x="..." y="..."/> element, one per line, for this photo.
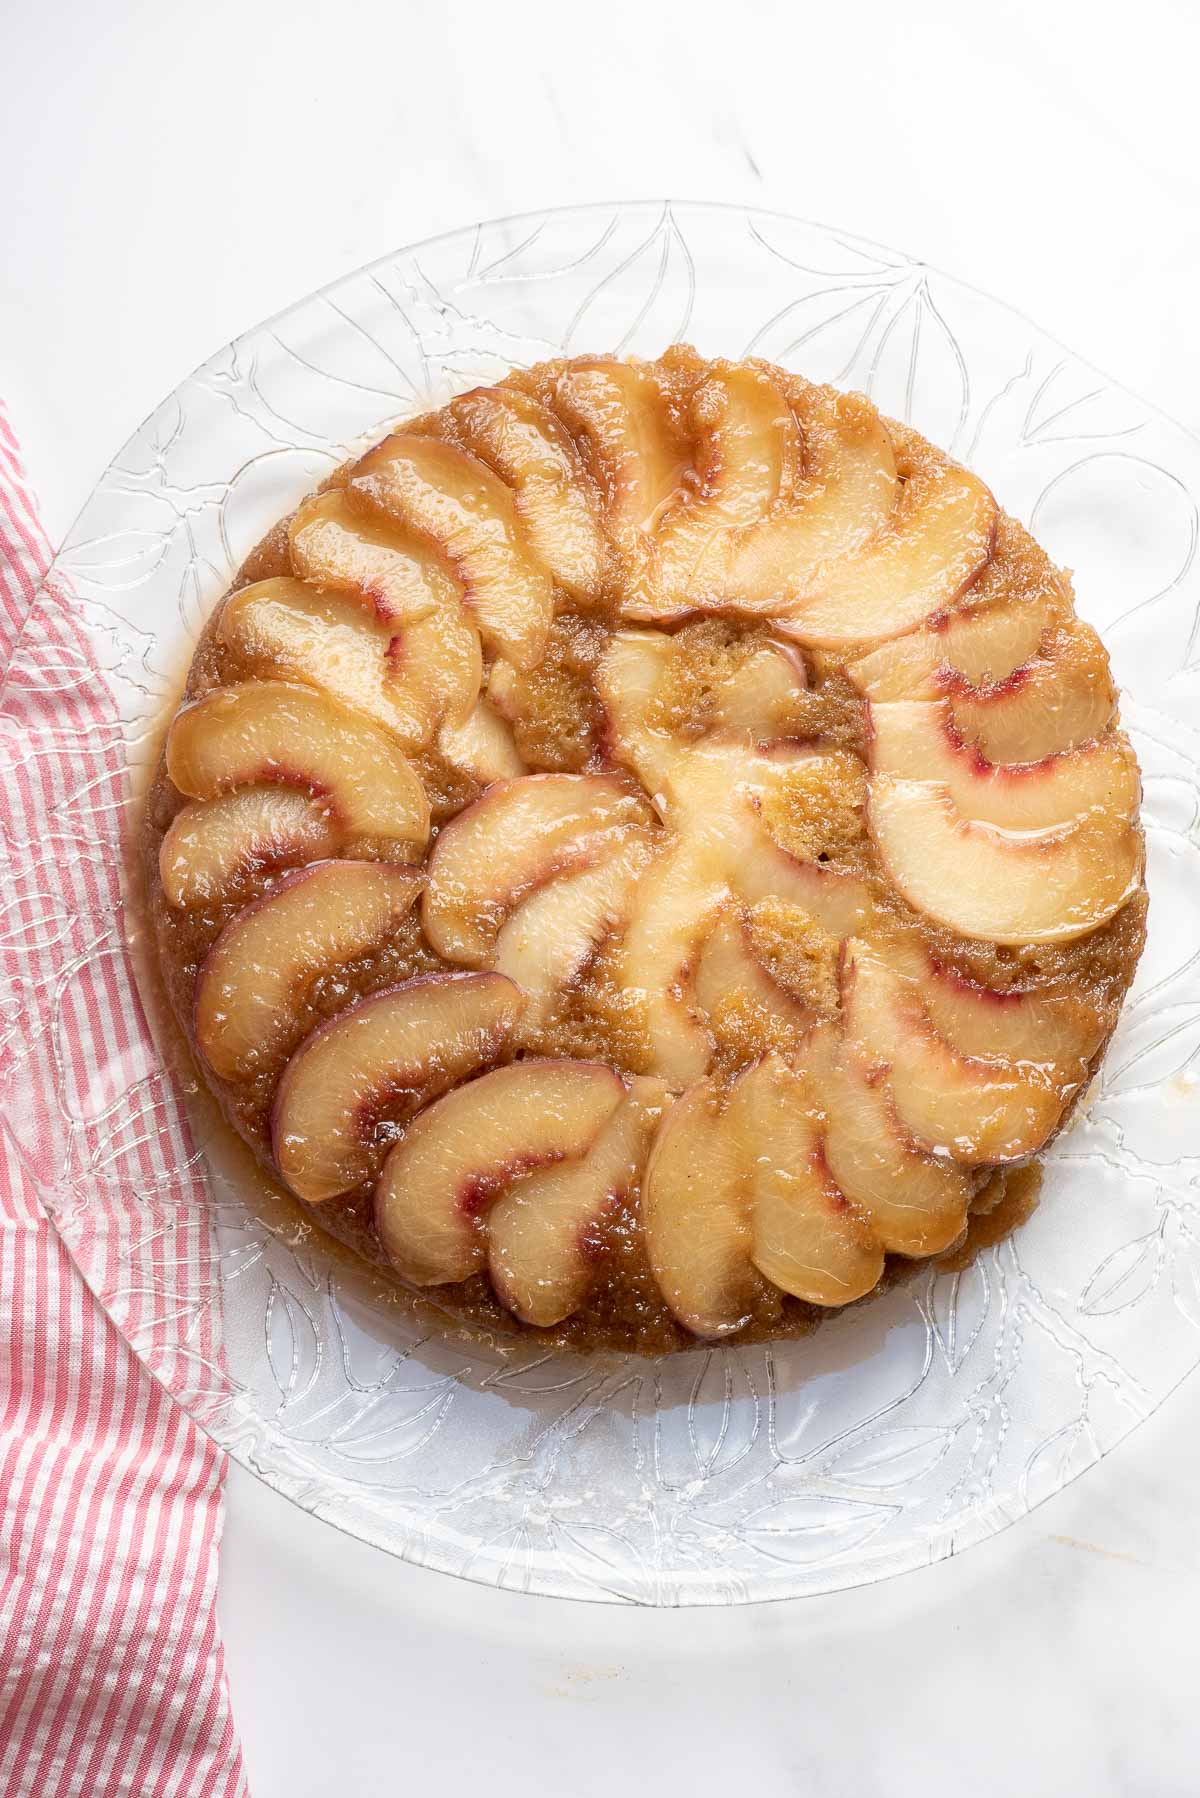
<point x="112" y="1677"/>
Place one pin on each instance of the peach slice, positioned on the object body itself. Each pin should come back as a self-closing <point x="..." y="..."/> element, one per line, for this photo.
<point x="397" y="1048"/>
<point x="527" y="447"/>
<point x="457" y="1156"/>
<point x="848" y="497"/>
<point x="979" y="644"/>
<point x="518" y="835"/>
<point x="482" y="746"/>
<point x="392" y="575"/>
<point x="749" y="451"/>
<point x="696" y="1217"/>
<point x="986" y="883"/>
<point x="938" y="539"/>
<point x="916" y="740"/>
<point x="546" y="1235"/>
<point x="807" y="1238"/>
<point x="618" y="410"/>
<point x="441" y="493"/>
<point x="915" y="1203"/>
<point x="213" y="842"/>
<point x="1060" y="1030"/>
<point x="1063" y="697"/>
<point x="629" y="680"/>
<point x="738" y="995"/>
<point x="673" y="907"/>
<point x="971" y="1108"/>
<point x="757" y="699"/>
<point x="407" y="677"/>
<point x="267" y="956"/>
<point x="260" y="732"/>
<point x="832" y="897"/>
<point x="550" y="938"/>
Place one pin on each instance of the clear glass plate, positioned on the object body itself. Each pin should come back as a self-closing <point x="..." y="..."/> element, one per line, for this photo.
<point x="906" y="1429"/>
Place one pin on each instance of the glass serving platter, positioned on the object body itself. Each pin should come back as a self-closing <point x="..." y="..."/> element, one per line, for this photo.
<point x="907" y="1428"/>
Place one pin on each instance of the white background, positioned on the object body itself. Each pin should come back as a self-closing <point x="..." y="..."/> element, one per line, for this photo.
<point x="170" y="174"/>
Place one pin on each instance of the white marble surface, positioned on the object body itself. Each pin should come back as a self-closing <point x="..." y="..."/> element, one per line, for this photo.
<point x="174" y="173"/>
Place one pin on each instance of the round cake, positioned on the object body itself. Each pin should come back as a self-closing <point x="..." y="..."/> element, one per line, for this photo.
<point x="645" y="850"/>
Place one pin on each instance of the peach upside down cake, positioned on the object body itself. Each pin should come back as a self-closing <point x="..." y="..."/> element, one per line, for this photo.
<point x="642" y="847"/>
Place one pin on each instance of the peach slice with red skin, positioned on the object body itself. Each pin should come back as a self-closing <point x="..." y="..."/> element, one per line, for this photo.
<point x="979" y="644"/>
<point x="453" y="1161"/>
<point x="1061" y="698"/>
<point x="807" y="1238"/>
<point x="546" y="1235"/>
<point x="442" y="494"/>
<point x="523" y="443"/>
<point x="408" y="677"/>
<point x="518" y="835"/>
<point x="260" y="732"/>
<point x="696" y="1219"/>
<point x="997" y="886"/>
<point x="212" y="843"/>
<point x="915" y="1203"/>
<point x="394" y="576"/>
<point x="972" y="1108"/>
<point x="270" y="953"/>
<point x="396" y="1049"/>
<point x="917" y="740"/>
<point x="547" y="942"/>
<point x="1056" y="1029"/>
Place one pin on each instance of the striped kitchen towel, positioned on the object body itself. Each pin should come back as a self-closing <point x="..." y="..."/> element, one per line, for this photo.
<point x="111" y="1671"/>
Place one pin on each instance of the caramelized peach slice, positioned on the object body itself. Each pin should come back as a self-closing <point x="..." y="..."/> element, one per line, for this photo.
<point x="1061" y="698"/>
<point x="741" y="999"/>
<point x="847" y="498"/>
<point x="252" y="979"/>
<point x="450" y="498"/>
<point x="457" y="1156"/>
<point x="749" y="453"/>
<point x="674" y="904"/>
<point x="1059" y="1030"/>
<point x="807" y="1238"/>
<point x="758" y="698"/>
<point x="629" y="680"/>
<point x="397" y="1048"/>
<point x="1004" y="888"/>
<point x="916" y="740"/>
<point x="520" y="834"/>
<point x="978" y="644"/>
<point x="482" y="746"/>
<point x="916" y="1203"/>
<point x="214" y="842"/>
<point x="618" y="410"/>
<point x="938" y="539"/>
<point x="527" y="447"/>
<point x="394" y="576"/>
<point x="407" y="677"/>
<point x="696" y="1217"/>
<point x="548" y="1232"/>
<point x="971" y="1108"/>
<point x="262" y="732"/>
<point x="550" y="938"/>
